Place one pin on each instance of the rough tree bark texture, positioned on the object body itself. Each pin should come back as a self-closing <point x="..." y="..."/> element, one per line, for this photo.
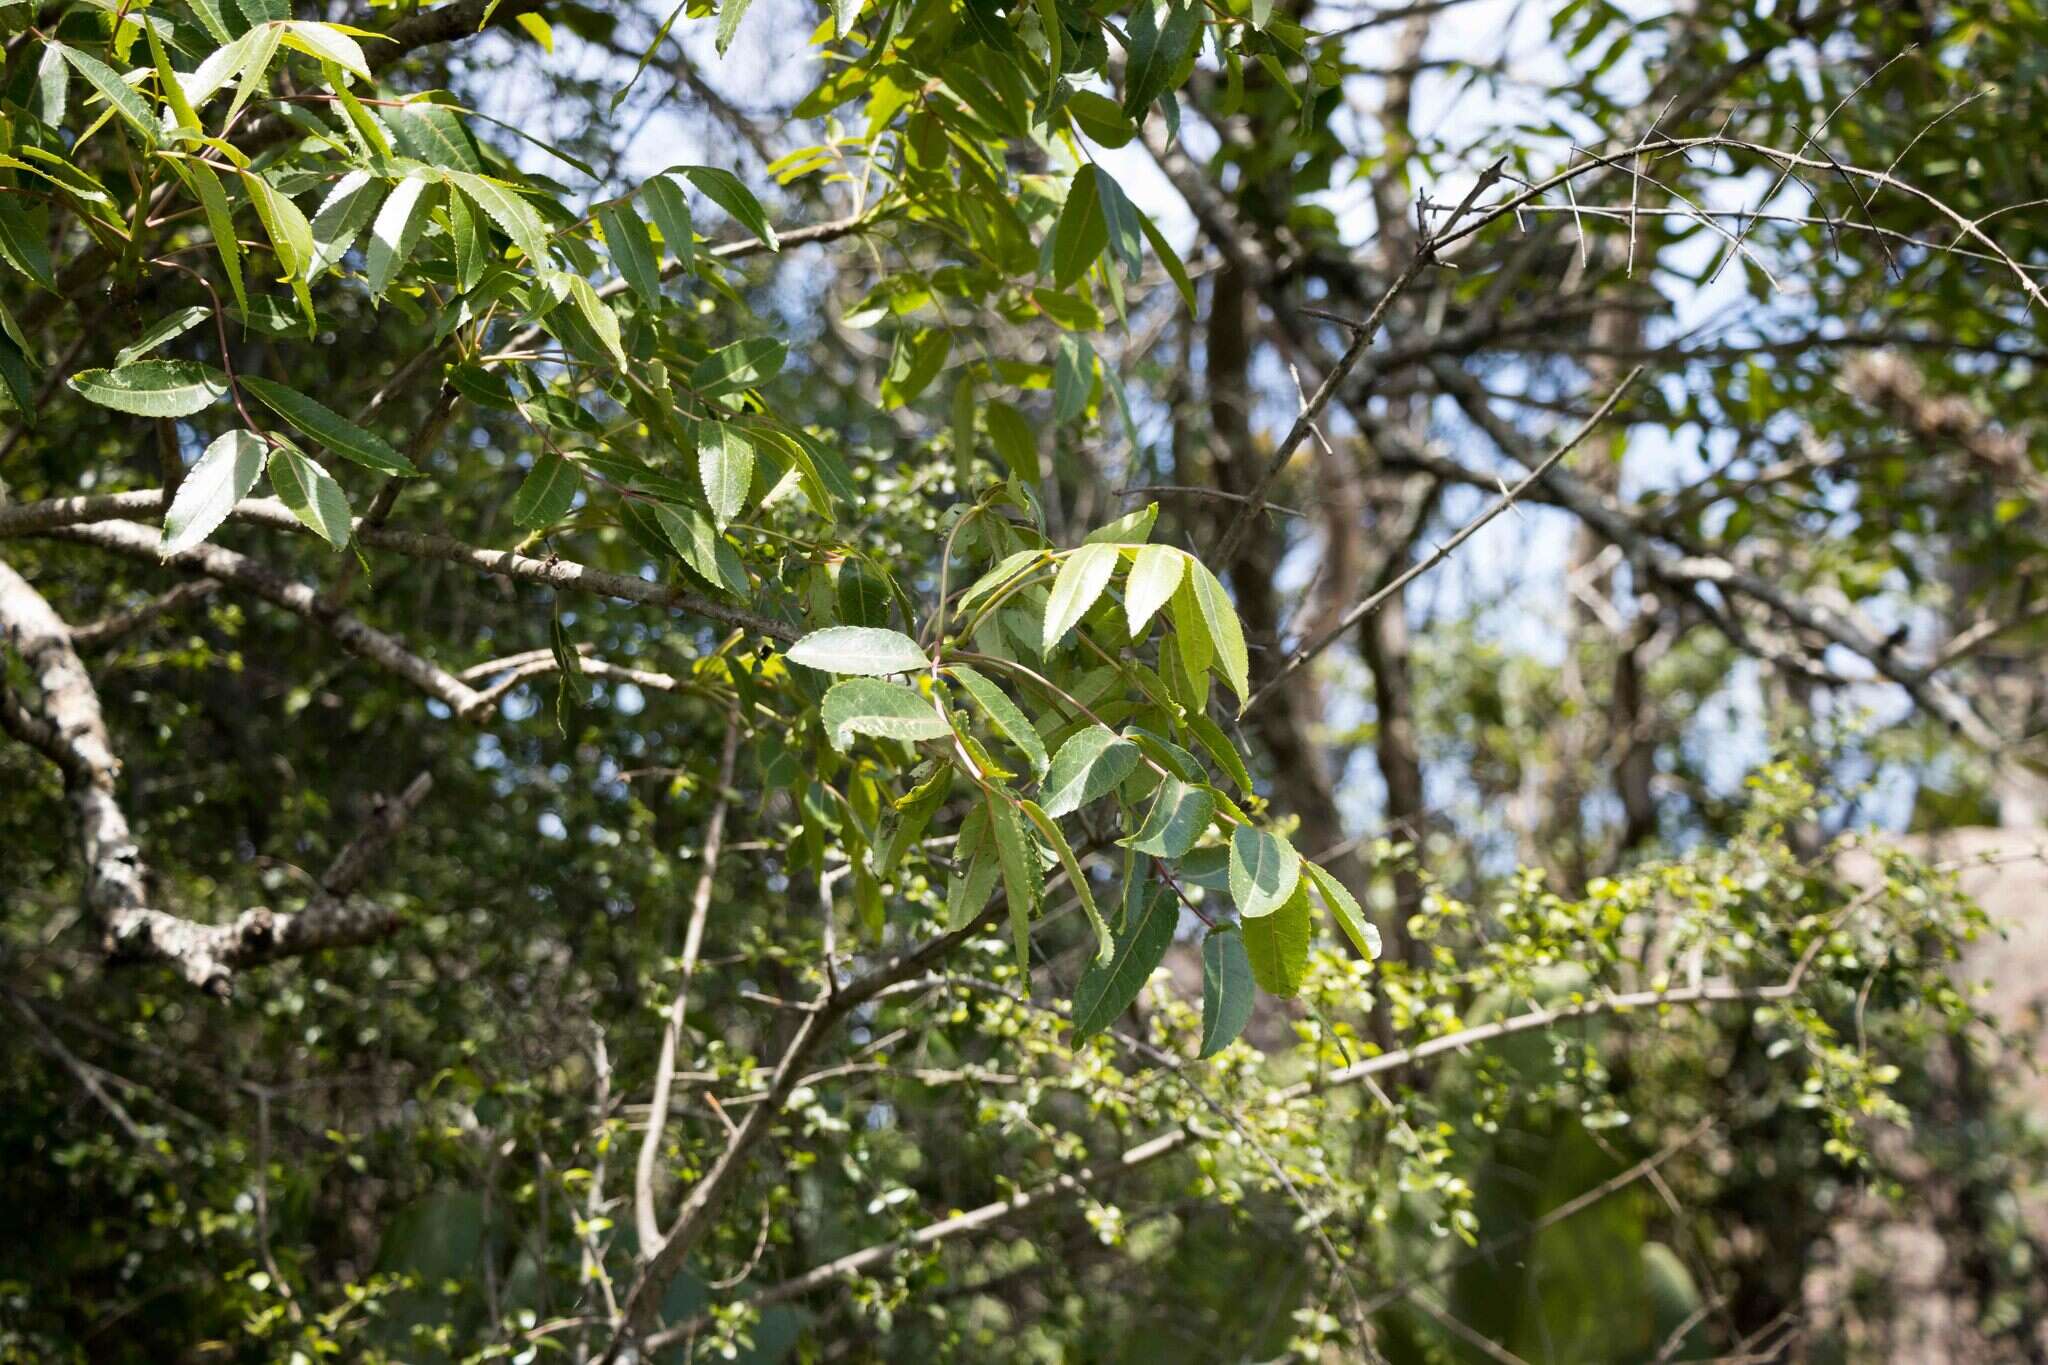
<point x="65" y="722"/>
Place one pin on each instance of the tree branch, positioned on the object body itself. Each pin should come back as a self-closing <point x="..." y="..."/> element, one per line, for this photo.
<point x="110" y="630"/>
<point x="1442" y="552"/>
<point x="709" y="1194"/>
<point x="1078" y="1183"/>
<point x="645" y="1221"/>
<point x="68" y="727"/>
<point x="54" y="515"/>
<point x="300" y="599"/>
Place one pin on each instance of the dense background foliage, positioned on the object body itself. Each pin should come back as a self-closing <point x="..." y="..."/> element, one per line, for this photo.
<point x="946" y="679"/>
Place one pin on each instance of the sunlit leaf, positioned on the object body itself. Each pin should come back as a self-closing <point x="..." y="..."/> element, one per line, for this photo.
<point x="1083" y="575"/>
<point x="886" y="710"/>
<point x="221" y="477"/>
<point x="1087" y="768"/>
<point x="153" y="388"/>
<point x="1264" y="871"/>
<point x="312" y="495"/>
<point x="860" y="650"/>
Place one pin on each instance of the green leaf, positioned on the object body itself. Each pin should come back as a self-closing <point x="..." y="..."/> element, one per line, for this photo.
<point x="166" y="329"/>
<point x="1265" y="871"/>
<point x="133" y="109"/>
<point x="153" y="388"/>
<point x="1277" y="945"/>
<point x="1221" y="751"/>
<point x="632" y="249"/>
<point x="1087" y="768"/>
<point x="221" y="65"/>
<point x="573" y="690"/>
<point x="886" y="710"/>
<point x="1083" y="575"/>
<point x="1013" y="439"/>
<point x="671" y="211"/>
<point x="396" y="232"/>
<point x="1220" y="617"/>
<point x="435" y="135"/>
<point x="53" y="85"/>
<point x="729" y="14"/>
<point x="252" y="71"/>
<point x="1121" y="219"/>
<point x="743" y="365"/>
<point x="603" y="322"/>
<point x="509" y="210"/>
<point x="1168" y="755"/>
<point x="1345" y="909"/>
<point x="1081" y="233"/>
<point x="547" y="492"/>
<point x="1178" y="816"/>
<point x="725" y="465"/>
<point x="1073" y="378"/>
<point x="915" y="812"/>
<point x="220" y="220"/>
<point x="918" y="356"/>
<point x="1191" y="640"/>
<point x="968" y="891"/>
<point x="210" y="489"/>
<point x="265" y="11"/>
<point x="1155" y="576"/>
<point x="19" y="379"/>
<point x="213" y="17"/>
<point x="321" y="423"/>
<point x="860" y="650"/>
<point x="291" y="236"/>
<point x="1170" y="259"/>
<point x="1023" y="875"/>
<point x="473" y="252"/>
<point x="341" y="218"/>
<point x="724" y="189"/>
<point x="709" y="555"/>
<point x="1049" y="830"/>
<point x="312" y="495"/>
<point x="1099" y="119"/>
<point x="1156" y="51"/>
<point x="327" y="43"/>
<point x="1005" y="715"/>
<point x="864" y="598"/>
<point x="1226" y="990"/>
<point x="25" y="237"/>
<point x="169" y="87"/>
<point x="1132" y="528"/>
<point x="1108" y="988"/>
<point x="1005" y="571"/>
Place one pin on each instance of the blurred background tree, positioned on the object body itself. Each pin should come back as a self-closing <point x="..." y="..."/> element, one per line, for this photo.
<point x="1672" y="790"/>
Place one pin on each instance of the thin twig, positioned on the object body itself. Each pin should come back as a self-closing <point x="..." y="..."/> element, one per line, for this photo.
<point x="1442" y="552"/>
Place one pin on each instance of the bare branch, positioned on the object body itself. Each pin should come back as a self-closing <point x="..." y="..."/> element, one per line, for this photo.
<point x="644" y="1218"/>
<point x="55" y="514"/>
<point x="1442" y="552"/>
<point x="111" y="630"/>
<point x="240" y="571"/>
<point x="352" y="864"/>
